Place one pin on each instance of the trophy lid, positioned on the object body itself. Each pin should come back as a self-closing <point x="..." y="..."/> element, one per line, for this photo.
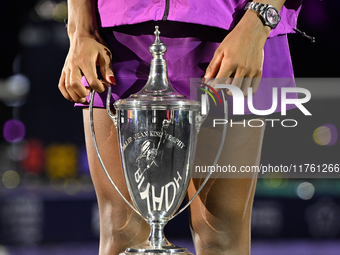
<point x="158" y="93"/>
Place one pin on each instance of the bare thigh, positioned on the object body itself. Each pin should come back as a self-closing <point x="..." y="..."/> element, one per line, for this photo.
<point x="220" y="215"/>
<point x="120" y="227"/>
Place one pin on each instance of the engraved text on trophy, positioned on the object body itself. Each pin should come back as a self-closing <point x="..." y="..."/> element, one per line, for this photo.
<point x="149" y="164"/>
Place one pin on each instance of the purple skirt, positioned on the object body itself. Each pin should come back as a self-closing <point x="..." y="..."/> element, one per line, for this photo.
<point x="190" y="48"/>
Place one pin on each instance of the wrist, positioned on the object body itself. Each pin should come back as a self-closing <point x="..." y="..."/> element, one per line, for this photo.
<point x="253" y="24"/>
<point x="76" y="28"/>
<point x="77" y="33"/>
<point x="82" y="31"/>
<point x="82" y="19"/>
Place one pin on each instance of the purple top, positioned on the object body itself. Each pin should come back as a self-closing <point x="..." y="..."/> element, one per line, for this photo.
<point x="187" y="58"/>
<point x="223" y="13"/>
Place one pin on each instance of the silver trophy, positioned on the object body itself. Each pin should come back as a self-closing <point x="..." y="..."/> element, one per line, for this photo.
<point x="157" y="130"/>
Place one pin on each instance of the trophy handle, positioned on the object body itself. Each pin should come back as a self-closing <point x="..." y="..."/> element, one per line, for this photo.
<point x="200" y="118"/>
<point x="114" y="118"/>
<point x="217" y="155"/>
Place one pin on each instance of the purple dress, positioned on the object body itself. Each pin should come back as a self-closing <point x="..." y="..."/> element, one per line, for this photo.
<point x="215" y="13"/>
<point x="190" y="48"/>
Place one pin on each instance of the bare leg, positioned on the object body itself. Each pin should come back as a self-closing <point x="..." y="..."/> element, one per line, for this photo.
<point x="120" y="227"/>
<point x="220" y="216"/>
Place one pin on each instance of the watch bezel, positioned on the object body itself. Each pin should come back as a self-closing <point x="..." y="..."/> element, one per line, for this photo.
<point x="267" y="20"/>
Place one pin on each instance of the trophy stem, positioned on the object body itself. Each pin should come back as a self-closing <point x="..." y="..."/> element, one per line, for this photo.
<point x="156" y="244"/>
<point x="157" y="238"/>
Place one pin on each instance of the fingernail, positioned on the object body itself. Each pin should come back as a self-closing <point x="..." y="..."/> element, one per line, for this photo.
<point x="85" y="101"/>
<point x="113" y="80"/>
<point x="207" y="80"/>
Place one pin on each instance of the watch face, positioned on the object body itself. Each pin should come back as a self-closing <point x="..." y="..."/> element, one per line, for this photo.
<point x="272" y="16"/>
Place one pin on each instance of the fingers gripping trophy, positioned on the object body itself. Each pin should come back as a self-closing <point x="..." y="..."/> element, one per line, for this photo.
<point x="157" y="129"/>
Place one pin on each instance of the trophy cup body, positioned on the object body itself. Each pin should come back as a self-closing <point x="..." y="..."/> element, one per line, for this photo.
<point x="157" y="148"/>
<point x="157" y="130"/>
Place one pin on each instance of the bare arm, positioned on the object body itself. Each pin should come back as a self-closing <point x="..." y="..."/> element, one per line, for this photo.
<point x="87" y="50"/>
<point x="240" y="55"/>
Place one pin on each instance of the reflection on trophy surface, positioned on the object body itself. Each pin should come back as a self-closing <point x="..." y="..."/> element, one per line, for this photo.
<point x="149" y="154"/>
<point x="157" y="157"/>
<point x="157" y="130"/>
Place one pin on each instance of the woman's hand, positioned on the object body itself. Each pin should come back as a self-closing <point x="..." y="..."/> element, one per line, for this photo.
<point x="84" y="55"/>
<point x="239" y="58"/>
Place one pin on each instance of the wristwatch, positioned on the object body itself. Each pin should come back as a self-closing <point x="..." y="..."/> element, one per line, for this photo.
<point x="269" y="14"/>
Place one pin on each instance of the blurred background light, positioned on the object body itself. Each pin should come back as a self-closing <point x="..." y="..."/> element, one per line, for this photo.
<point x="305" y="190"/>
<point x="323" y="219"/>
<point x="276" y="180"/>
<point x="61" y="160"/>
<point x="267" y="218"/>
<point x="15" y="102"/>
<point x="17" y="151"/>
<point x="56" y="182"/>
<point x="72" y="186"/>
<point x="326" y="135"/>
<point x="18" y="85"/>
<point x="44" y="9"/>
<point x="34" y="161"/>
<point x="3" y="250"/>
<point x="14" y="90"/>
<point x="10" y="179"/>
<point x="34" y="36"/>
<point x="14" y="131"/>
<point x="59" y="12"/>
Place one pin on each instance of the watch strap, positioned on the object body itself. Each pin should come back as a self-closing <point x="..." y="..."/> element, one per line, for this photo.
<point x="261" y="9"/>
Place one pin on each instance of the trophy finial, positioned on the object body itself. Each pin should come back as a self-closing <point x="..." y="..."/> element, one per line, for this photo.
<point x="157" y="33"/>
<point x="158" y="48"/>
<point x="158" y="83"/>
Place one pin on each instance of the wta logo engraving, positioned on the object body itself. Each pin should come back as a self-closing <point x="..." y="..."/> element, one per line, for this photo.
<point x="239" y="99"/>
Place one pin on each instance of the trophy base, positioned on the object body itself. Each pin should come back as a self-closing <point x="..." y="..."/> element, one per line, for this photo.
<point x="180" y="251"/>
<point x="162" y="250"/>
